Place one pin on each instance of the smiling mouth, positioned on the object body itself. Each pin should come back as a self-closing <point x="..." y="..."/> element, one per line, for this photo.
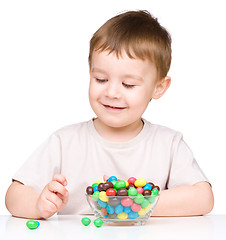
<point x="112" y="107"/>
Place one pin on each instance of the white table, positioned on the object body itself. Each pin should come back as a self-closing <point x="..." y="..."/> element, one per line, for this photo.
<point x="70" y="227"/>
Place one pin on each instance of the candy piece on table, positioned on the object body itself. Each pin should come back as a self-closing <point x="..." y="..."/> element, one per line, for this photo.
<point x="89" y="190"/>
<point x="114" y="182"/>
<point x="98" y="222"/>
<point x="140" y="182"/>
<point x="132" y="191"/>
<point x="122" y="215"/>
<point x="120" y="184"/>
<point x="110" y="192"/>
<point x="132" y="180"/>
<point x="86" y="221"/>
<point x="110" y="179"/>
<point x="32" y="224"/>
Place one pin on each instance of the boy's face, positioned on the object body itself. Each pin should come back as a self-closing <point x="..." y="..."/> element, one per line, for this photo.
<point x="121" y="88"/>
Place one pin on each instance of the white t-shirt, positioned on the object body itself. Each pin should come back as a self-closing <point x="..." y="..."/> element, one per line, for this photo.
<point x="157" y="153"/>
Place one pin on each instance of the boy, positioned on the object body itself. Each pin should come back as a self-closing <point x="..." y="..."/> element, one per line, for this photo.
<point x="129" y="60"/>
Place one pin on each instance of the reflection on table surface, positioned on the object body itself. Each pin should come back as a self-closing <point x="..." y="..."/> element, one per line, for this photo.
<point x="70" y="227"/>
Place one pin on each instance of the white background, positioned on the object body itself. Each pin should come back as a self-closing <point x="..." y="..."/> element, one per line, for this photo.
<point x="44" y="76"/>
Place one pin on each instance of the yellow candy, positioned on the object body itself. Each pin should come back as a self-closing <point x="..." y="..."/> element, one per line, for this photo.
<point x="97" y="181"/>
<point x="142" y="212"/>
<point x="122" y="215"/>
<point x="140" y="182"/>
<point x="147" y="208"/>
<point x="127" y="184"/>
<point x="103" y="197"/>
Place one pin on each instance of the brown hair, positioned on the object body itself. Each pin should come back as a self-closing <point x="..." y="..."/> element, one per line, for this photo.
<point x="139" y="34"/>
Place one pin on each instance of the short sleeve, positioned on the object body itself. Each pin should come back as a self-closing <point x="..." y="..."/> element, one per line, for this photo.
<point x="39" y="169"/>
<point x="184" y="168"/>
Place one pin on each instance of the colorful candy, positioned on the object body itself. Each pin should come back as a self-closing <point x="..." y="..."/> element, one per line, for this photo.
<point x="121" y="199"/>
<point x="32" y="224"/>
<point x="98" y="222"/>
<point x="85" y="221"/>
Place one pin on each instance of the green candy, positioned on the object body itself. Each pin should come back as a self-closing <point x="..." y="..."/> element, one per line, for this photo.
<point x="145" y="203"/>
<point x="120" y="184"/>
<point x="93" y="185"/>
<point x="32" y="224"/>
<point x="85" y="221"/>
<point x="132" y="191"/>
<point x="114" y="182"/>
<point x="98" y="222"/>
<point x="154" y="191"/>
<point x="139" y="199"/>
<point x="95" y="196"/>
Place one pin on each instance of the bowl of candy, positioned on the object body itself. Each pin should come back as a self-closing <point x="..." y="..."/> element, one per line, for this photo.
<point x="123" y="202"/>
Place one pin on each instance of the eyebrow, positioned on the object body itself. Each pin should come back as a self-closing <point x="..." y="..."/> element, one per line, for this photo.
<point x="136" y="77"/>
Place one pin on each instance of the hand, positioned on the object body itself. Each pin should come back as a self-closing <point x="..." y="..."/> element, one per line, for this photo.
<point x="53" y="197"/>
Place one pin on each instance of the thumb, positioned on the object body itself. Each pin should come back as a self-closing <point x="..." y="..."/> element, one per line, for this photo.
<point x="105" y="177"/>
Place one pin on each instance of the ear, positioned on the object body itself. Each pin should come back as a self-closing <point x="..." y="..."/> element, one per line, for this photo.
<point x="161" y="87"/>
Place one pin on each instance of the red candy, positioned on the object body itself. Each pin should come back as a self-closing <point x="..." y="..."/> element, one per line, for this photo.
<point x="135" y="207"/>
<point x="140" y="190"/>
<point x="126" y="202"/>
<point x="131" y="180"/>
<point x="111" y="192"/>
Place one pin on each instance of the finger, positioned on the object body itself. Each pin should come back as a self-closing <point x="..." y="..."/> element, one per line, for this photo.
<point x="105" y="177"/>
<point x="56" y="187"/>
<point x="54" y="199"/>
<point x="64" y="198"/>
<point x="60" y="178"/>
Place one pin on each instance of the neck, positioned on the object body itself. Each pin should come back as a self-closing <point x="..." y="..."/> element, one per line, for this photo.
<point x="119" y="134"/>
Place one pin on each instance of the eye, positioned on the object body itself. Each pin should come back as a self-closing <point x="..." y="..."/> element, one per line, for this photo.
<point x="101" y="80"/>
<point x="128" y="85"/>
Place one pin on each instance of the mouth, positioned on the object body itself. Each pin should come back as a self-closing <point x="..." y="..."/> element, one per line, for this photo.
<point x="114" y="108"/>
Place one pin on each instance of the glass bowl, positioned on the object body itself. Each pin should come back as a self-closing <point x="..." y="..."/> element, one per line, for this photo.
<point x="123" y="210"/>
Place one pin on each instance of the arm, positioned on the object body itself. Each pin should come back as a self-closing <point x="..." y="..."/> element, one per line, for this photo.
<point x="23" y="201"/>
<point x="186" y="200"/>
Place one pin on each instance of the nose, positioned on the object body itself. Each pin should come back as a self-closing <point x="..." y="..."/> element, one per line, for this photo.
<point x="112" y="90"/>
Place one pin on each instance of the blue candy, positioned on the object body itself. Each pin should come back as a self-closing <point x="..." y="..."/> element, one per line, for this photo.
<point x="95" y="188"/>
<point x="147" y="186"/>
<point x="119" y="209"/>
<point x="112" y="178"/>
<point x="102" y="204"/>
<point x="133" y="215"/>
<point x="127" y="209"/>
<point x="110" y="209"/>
